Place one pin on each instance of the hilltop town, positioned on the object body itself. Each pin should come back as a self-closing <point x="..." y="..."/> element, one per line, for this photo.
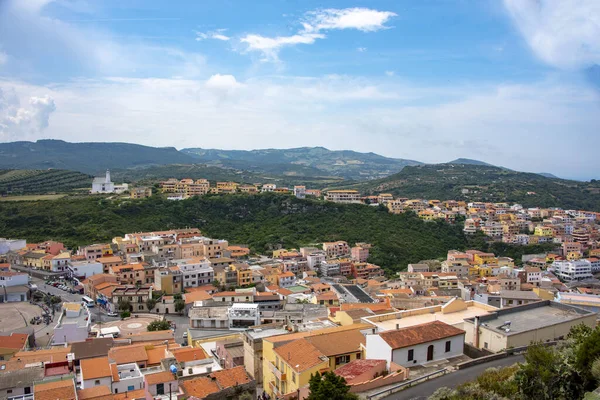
<point x="175" y="313"/>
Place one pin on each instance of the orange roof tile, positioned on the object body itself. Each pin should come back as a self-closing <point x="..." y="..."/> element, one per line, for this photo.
<point x="160" y="377"/>
<point x="196" y="296"/>
<point x="231" y="377"/>
<point x="131" y="395"/>
<point x="300" y="354"/>
<point x="114" y="371"/>
<point x="200" y="387"/>
<point x="50" y="355"/>
<point x="63" y="390"/>
<point x="336" y="343"/>
<point x="94" y="368"/>
<point x="93" y="392"/>
<point x="14" y="341"/>
<point x="155" y="354"/>
<point x="185" y="354"/>
<point x="128" y="354"/>
<point x="417" y="334"/>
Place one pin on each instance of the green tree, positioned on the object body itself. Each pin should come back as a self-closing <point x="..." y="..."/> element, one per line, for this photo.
<point x="586" y="353"/>
<point x="124" y="305"/>
<point x="159" y="325"/>
<point x="329" y="386"/>
<point x="150" y="303"/>
<point x="179" y="305"/>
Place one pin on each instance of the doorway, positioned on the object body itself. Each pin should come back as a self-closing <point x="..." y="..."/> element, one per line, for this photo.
<point x="430" y="353"/>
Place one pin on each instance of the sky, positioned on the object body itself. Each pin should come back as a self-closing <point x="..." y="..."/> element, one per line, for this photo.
<point x="514" y="83"/>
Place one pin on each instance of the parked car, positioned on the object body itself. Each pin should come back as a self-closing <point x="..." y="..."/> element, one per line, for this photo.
<point x="112" y="314"/>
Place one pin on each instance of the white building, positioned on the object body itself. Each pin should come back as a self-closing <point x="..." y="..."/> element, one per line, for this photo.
<point x="10" y="278"/>
<point x="416" y="345"/>
<point x="59" y="263"/>
<point x="343" y="196"/>
<point x="7" y="245"/>
<point x="576" y="270"/>
<point x="73" y="324"/>
<point x="329" y="268"/>
<point x="314" y="260"/>
<point x="127" y="378"/>
<point x="95" y="372"/>
<point x="300" y="192"/>
<point x="287" y="279"/>
<point x="196" y="272"/>
<point x="103" y="184"/>
<point x="268" y="187"/>
<point x="84" y="269"/>
<point x="243" y="315"/>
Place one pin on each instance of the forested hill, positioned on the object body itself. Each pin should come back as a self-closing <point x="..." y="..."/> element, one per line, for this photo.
<point x="486" y="183"/>
<point x="304" y="161"/>
<point x="90" y="158"/>
<point x="264" y="221"/>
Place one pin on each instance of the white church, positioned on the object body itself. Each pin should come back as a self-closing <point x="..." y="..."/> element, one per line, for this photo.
<point x="103" y="184"/>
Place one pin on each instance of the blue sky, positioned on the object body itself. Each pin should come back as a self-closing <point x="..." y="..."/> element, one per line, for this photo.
<point x="511" y="82"/>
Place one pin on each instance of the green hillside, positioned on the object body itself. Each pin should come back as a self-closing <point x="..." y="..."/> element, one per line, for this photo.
<point x="264" y="221"/>
<point x="31" y="181"/>
<point x="486" y="183"/>
<point x="304" y="161"/>
<point x="156" y="173"/>
<point x="91" y="158"/>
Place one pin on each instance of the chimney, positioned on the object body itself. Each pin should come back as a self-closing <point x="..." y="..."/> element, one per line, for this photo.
<point x="476" y="333"/>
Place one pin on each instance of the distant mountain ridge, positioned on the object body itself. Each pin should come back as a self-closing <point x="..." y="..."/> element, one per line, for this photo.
<point x="468" y="161"/>
<point x="90" y="158"/>
<point x="305" y="161"/>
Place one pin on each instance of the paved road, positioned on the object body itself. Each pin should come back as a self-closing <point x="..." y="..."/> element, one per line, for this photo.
<point x="451" y="380"/>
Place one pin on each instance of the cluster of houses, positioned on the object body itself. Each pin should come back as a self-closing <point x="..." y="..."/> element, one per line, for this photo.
<point x="268" y="323"/>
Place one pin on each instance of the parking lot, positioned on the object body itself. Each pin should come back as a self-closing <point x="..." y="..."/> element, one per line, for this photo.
<point x="17" y="315"/>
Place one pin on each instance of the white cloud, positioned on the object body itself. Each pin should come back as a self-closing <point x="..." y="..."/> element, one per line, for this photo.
<point x="314" y="23"/>
<point x="3" y="58"/>
<point x="218" y="35"/>
<point x="363" y="19"/>
<point x="361" y="49"/>
<point x="269" y="46"/>
<point x="563" y="34"/>
<point x="390" y="73"/>
<point x="18" y="122"/>
<point x="501" y="124"/>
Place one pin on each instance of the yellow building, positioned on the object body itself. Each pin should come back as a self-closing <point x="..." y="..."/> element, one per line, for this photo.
<point x="485" y="258"/>
<point x="227" y="187"/>
<point x="543" y="231"/>
<point x="290" y="360"/>
<point x="427" y="215"/>
<point x="244" y="274"/>
<point x="573" y="255"/>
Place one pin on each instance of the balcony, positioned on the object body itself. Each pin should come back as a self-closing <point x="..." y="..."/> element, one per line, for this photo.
<point x="277" y="372"/>
<point x="276" y="392"/>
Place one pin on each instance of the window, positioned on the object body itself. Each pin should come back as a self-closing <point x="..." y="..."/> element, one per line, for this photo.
<point x="411" y="355"/>
<point x="97" y="382"/>
<point x="342" y="360"/>
<point x="358" y="356"/>
<point x="294" y="377"/>
<point x="27" y="390"/>
<point x="160" y="388"/>
<point x="130" y="388"/>
<point x="448" y="346"/>
<point x="485" y="345"/>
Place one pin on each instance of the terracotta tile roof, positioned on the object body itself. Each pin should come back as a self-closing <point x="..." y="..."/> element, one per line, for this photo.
<point x="155" y="354"/>
<point x="196" y="296"/>
<point x="185" y="354"/>
<point x="200" y="387"/>
<point x="131" y="395"/>
<point x="336" y="343"/>
<point x="109" y="259"/>
<point x="128" y="354"/>
<point x="160" y="377"/>
<point x="14" y="341"/>
<point x="63" y="390"/>
<point x="50" y="355"/>
<point x="371" y="306"/>
<point x="417" y="334"/>
<point x="93" y="392"/>
<point x="231" y="377"/>
<point x="94" y="368"/>
<point x="300" y="355"/>
<point x="114" y="371"/>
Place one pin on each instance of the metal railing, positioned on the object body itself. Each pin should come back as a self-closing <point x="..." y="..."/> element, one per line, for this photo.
<point x="407" y="384"/>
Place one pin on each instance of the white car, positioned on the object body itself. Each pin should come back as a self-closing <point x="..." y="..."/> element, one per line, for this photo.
<point x="112" y="314"/>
